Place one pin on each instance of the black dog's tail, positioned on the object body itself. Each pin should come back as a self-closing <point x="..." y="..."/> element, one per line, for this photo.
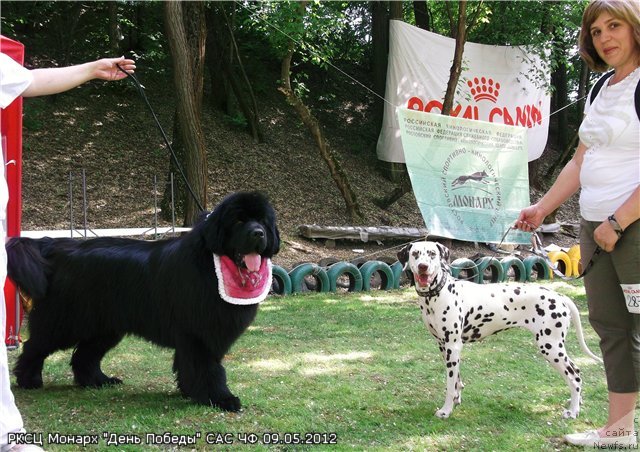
<point x="27" y="267"/>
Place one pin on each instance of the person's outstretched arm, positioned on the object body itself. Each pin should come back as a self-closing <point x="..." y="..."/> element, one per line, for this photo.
<point x="56" y="80"/>
<point x="567" y="183"/>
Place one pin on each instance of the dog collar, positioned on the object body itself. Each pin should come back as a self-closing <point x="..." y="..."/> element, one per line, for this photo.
<point x="239" y="285"/>
<point x="436" y="290"/>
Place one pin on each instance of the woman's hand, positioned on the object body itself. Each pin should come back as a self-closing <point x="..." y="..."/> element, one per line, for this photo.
<point x="530" y="218"/>
<point x="605" y="236"/>
<point x="107" y="68"/>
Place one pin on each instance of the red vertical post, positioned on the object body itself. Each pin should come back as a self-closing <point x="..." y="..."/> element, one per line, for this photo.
<point x="11" y="130"/>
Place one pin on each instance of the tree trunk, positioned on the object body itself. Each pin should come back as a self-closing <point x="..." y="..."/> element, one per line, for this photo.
<point x="114" y="29"/>
<point x="380" y="44"/>
<point x="421" y="13"/>
<point x="456" y="66"/>
<point x="217" y="58"/>
<point x="186" y="32"/>
<point x="583" y="88"/>
<point x="226" y="85"/>
<point x="337" y="173"/>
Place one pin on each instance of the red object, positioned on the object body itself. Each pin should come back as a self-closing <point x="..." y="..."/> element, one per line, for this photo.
<point x="11" y="129"/>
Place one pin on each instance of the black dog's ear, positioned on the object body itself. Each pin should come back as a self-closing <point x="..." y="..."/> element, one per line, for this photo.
<point x="444" y="252"/>
<point x="403" y="256"/>
<point x="212" y="231"/>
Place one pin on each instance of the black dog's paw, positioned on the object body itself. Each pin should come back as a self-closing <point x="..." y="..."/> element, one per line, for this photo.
<point x="112" y="381"/>
<point x="29" y="383"/>
<point x="98" y="382"/>
<point x="230" y="403"/>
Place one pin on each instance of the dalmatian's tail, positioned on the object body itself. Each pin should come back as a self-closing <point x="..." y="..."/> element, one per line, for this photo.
<point x="575" y="319"/>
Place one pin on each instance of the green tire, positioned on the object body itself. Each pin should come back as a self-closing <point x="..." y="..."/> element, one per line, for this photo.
<point x="513" y="263"/>
<point x="396" y="268"/>
<point x="537" y="264"/>
<point x="344" y="268"/>
<point x="299" y="273"/>
<point x="281" y="278"/>
<point x="466" y="265"/>
<point x="368" y="269"/>
<point x="493" y="266"/>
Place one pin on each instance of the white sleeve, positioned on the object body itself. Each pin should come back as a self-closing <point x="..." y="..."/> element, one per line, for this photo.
<point x="14" y="79"/>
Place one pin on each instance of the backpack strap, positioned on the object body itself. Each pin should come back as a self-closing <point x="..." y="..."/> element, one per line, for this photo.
<point x="600" y="83"/>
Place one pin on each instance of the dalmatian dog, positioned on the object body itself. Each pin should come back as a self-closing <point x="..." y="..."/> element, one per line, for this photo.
<point x="457" y="312"/>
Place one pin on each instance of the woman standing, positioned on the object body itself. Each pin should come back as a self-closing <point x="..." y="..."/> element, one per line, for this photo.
<point x="606" y="166"/>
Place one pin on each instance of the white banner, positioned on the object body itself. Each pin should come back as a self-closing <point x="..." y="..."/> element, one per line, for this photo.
<point x="498" y="84"/>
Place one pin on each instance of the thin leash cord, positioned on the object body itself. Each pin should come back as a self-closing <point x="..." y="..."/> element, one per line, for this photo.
<point x="141" y="88"/>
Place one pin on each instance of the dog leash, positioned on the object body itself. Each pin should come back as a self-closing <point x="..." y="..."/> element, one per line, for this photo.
<point x="140" y="89"/>
<point x="536" y="246"/>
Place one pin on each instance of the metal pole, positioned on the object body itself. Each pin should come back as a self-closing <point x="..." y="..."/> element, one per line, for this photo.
<point x="173" y="208"/>
<point x="84" y="201"/>
<point x="155" y="203"/>
<point x="71" y="203"/>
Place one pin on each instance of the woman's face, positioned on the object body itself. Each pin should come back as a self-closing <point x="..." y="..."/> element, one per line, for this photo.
<point x="613" y="40"/>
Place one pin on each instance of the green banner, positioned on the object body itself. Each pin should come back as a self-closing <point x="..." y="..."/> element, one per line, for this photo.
<point x="469" y="177"/>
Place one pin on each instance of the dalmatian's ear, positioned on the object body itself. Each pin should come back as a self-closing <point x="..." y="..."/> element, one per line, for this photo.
<point x="444" y="257"/>
<point x="444" y="252"/>
<point x="403" y="256"/>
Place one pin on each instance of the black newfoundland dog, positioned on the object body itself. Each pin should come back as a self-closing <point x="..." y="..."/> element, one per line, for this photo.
<point x="196" y="294"/>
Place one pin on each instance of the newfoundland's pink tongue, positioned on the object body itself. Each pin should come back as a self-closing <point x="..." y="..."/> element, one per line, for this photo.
<point x="253" y="261"/>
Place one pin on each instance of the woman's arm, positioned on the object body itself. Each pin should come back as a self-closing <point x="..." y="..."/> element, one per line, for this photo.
<point x="56" y="80"/>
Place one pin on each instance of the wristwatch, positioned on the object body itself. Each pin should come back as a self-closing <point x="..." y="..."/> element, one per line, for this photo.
<point x="615" y="225"/>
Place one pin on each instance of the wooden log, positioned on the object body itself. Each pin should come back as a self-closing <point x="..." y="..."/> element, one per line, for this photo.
<point x="361" y="233"/>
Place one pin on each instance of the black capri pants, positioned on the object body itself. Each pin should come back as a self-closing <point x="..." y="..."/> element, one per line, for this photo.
<point x="619" y="330"/>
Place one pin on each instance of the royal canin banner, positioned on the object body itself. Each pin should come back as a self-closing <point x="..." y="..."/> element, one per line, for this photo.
<point x="498" y="84"/>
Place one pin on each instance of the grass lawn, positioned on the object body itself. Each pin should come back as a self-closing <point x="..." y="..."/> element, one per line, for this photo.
<point x="359" y="369"/>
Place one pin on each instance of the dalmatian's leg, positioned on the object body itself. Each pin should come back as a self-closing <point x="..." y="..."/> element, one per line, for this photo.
<point x="550" y="340"/>
<point x="457" y="398"/>
<point x="452" y="353"/>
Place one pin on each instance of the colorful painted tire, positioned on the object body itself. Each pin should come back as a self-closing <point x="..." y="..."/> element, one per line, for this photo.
<point x="398" y="273"/>
<point x="537" y="264"/>
<point x="466" y="266"/>
<point x="493" y="266"/>
<point x="562" y="262"/>
<point x="345" y="268"/>
<point x="574" y="255"/>
<point x="302" y="271"/>
<point x="513" y="263"/>
<point x="370" y="268"/>
<point x="280" y="281"/>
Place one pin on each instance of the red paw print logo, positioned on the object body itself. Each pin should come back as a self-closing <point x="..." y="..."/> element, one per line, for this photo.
<point x="483" y="88"/>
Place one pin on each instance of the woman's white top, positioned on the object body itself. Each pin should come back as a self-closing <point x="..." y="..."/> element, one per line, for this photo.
<point x="611" y="132"/>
